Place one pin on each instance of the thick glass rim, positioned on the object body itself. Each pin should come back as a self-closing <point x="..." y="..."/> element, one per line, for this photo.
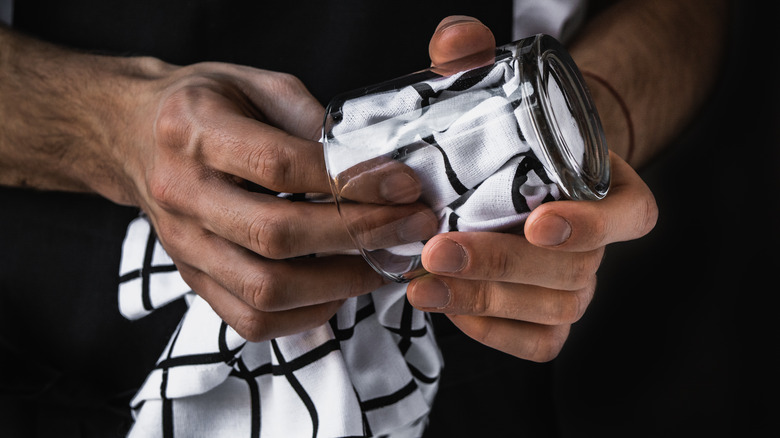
<point x="546" y="64"/>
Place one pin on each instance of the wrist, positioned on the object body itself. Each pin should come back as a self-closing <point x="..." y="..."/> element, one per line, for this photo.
<point x="615" y="115"/>
<point x="121" y="106"/>
<point x="66" y="116"/>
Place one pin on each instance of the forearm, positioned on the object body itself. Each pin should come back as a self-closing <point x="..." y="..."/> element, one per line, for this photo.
<point x="61" y="114"/>
<point x="661" y="57"/>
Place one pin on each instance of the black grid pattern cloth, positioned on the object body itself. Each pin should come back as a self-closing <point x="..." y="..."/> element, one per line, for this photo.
<point x="373" y="369"/>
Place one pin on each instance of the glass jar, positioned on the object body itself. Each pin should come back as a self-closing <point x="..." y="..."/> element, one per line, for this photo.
<point x="488" y="145"/>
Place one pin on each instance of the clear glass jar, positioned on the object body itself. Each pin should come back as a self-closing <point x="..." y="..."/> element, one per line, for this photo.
<point x="488" y="145"/>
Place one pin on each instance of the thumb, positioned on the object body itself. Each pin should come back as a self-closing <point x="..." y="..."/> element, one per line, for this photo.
<point x="461" y="42"/>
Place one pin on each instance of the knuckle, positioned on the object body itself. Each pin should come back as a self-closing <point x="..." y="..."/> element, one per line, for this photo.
<point x="166" y="190"/>
<point x="271" y="165"/>
<point x="262" y="290"/>
<point x="191" y="276"/>
<point x="599" y="229"/>
<point x="360" y="227"/>
<point x="272" y="236"/>
<point x="595" y="258"/>
<point x="170" y="125"/>
<point x="482" y="331"/>
<point x="648" y="216"/>
<point x="251" y="325"/>
<point x="381" y="226"/>
<point x="549" y="344"/>
<point x="581" y="269"/>
<point x="173" y="237"/>
<point x="480" y="303"/>
<point x="584" y="296"/>
<point x="184" y="120"/>
<point x="499" y="265"/>
<point x="576" y="274"/>
<point x="183" y="105"/>
<point x="371" y="232"/>
<point x="564" y="309"/>
<point x="285" y="82"/>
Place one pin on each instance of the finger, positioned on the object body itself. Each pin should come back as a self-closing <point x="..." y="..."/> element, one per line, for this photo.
<point x="508" y="258"/>
<point x="220" y="129"/>
<point x="278" y="228"/>
<point x="498" y="299"/>
<point x="285" y="102"/>
<point x="252" y="324"/>
<point x="535" y="342"/>
<point x="265" y="155"/>
<point x="379" y="180"/>
<point x="381" y="226"/>
<point x="281" y="162"/>
<point x="276" y="285"/>
<point x="461" y="42"/>
<point x="628" y="212"/>
<point x="293" y="109"/>
<point x="273" y="227"/>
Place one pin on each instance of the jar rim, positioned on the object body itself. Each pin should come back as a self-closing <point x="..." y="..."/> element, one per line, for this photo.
<point x="581" y="170"/>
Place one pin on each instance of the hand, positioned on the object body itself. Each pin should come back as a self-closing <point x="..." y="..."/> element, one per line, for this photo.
<point x="520" y="294"/>
<point x="185" y="144"/>
<point x="202" y="132"/>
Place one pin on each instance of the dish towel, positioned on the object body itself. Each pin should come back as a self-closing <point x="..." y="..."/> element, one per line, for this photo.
<point x="371" y="370"/>
<point x="374" y="368"/>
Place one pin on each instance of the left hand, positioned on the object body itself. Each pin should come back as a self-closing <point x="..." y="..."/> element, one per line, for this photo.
<point x="520" y="294"/>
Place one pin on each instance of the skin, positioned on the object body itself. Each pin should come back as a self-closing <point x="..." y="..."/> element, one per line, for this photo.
<point x="181" y="142"/>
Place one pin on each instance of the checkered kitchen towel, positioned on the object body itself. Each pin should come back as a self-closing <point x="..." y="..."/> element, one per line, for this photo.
<point x="374" y="368"/>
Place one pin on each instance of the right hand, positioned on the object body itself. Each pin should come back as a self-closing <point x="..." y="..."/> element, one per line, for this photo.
<point x="520" y="294"/>
<point x="196" y="135"/>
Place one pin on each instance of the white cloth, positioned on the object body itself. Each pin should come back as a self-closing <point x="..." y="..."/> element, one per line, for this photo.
<point x="373" y="369"/>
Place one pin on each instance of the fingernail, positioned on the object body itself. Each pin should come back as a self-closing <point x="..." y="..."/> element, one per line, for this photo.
<point x="399" y="188"/>
<point x="430" y="293"/>
<point x="446" y="256"/>
<point x="417" y="227"/>
<point x="455" y="20"/>
<point x="551" y="230"/>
